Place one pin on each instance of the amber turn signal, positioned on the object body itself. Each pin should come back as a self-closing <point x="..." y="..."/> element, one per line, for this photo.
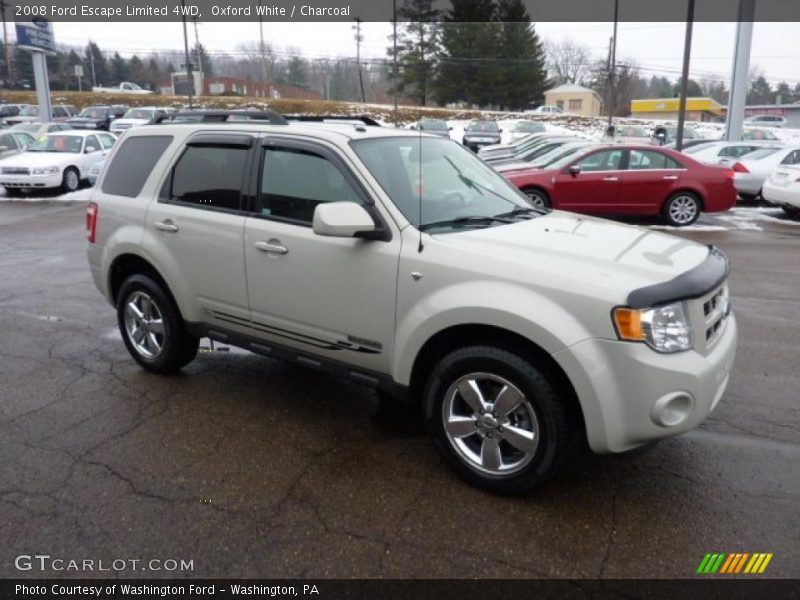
<point x="629" y="324"/>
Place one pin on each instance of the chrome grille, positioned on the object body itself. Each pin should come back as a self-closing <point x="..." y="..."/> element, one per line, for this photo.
<point x="16" y="171"/>
<point x="715" y="311"/>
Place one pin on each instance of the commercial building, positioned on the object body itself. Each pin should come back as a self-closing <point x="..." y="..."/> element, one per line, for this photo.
<point x="697" y="109"/>
<point x="575" y="99"/>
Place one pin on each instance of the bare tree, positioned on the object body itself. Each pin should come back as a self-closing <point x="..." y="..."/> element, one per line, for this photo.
<point x="568" y="62"/>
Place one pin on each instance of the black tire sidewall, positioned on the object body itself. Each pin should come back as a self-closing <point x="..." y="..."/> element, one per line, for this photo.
<point x="64" y="185"/>
<point x="179" y="348"/>
<point x="669" y="202"/>
<point x="554" y="427"/>
<point x="545" y="198"/>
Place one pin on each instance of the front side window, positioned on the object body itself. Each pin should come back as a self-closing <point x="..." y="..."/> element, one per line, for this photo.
<point x="437" y="181"/>
<point x="7" y="142"/>
<point x="294" y="181"/>
<point x="608" y="160"/>
<point x="209" y="176"/>
<point x="650" y="159"/>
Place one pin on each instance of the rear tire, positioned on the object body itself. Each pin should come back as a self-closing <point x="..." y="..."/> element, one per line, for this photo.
<point x="508" y="437"/>
<point x="538" y="198"/>
<point x="152" y="327"/>
<point x="792" y="211"/>
<point x="682" y="209"/>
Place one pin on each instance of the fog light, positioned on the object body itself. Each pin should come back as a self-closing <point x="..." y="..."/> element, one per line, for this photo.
<point x="672" y="409"/>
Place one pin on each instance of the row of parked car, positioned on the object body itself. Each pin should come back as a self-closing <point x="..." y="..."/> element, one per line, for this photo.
<point x="114" y="117"/>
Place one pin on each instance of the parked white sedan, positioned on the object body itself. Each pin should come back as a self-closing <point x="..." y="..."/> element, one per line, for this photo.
<point x="726" y="153"/>
<point x="782" y="188"/>
<point x="752" y="169"/>
<point x="55" y="160"/>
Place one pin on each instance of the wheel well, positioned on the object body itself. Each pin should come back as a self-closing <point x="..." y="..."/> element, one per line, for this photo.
<point x="695" y="193"/>
<point x="459" y="336"/>
<point x="126" y="265"/>
<point x="535" y="187"/>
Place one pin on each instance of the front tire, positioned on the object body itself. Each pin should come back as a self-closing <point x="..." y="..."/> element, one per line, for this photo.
<point x="497" y="420"/>
<point x="152" y="327"/>
<point x="13" y="192"/>
<point x="682" y="209"/>
<point x="792" y="211"/>
<point x="71" y="180"/>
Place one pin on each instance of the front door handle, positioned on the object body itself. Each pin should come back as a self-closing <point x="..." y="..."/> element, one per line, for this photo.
<point x="167" y="226"/>
<point x="610" y="178"/>
<point x="670" y="177"/>
<point x="272" y="246"/>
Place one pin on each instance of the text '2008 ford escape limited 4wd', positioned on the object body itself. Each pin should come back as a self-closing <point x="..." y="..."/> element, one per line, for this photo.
<point x="404" y="262"/>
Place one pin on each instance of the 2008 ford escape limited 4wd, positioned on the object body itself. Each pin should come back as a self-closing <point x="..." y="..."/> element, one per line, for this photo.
<point x="402" y="261"/>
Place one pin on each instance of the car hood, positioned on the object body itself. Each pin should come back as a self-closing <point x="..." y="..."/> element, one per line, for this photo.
<point x="602" y="257"/>
<point x="39" y="159"/>
<point x="83" y="120"/>
<point x="514" y="166"/>
<point x="131" y="121"/>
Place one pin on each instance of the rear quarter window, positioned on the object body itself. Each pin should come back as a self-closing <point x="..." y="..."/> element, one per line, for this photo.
<point x="133" y="163"/>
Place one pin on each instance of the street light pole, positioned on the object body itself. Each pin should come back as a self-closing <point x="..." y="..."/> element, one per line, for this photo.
<point x="359" y="38"/>
<point x="687" y="52"/>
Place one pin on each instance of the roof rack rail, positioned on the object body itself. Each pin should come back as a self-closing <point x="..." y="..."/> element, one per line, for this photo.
<point x="221" y="116"/>
<point x="343" y="118"/>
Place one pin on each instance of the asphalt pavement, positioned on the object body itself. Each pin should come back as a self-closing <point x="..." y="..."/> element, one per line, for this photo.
<point x="252" y="468"/>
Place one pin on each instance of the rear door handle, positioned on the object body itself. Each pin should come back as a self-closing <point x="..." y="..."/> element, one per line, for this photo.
<point x="610" y="178"/>
<point x="272" y="246"/>
<point x="167" y="226"/>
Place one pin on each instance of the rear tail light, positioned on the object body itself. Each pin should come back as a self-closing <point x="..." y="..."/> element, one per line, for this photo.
<point x="91" y="222"/>
<point x="729" y="174"/>
<point x="740" y="168"/>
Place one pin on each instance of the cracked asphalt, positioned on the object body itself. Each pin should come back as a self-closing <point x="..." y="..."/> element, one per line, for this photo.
<point x="253" y="468"/>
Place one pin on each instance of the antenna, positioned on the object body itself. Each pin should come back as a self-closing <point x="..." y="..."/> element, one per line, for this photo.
<point x="419" y="185"/>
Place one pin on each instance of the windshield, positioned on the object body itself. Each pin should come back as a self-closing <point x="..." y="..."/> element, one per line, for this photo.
<point x="436" y="124"/>
<point x="556" y="154"/>
<point x="528" y="127"/>
<point x="486" y="126"/>
<point x="761" y="153"/>
<point x="93" y="113"/>
<point x="29" y="127"/>
<point x="759" y="134"/>
<point x="634" y="132"/>
<point x="57" y="143"/>
<point x="139" y="113"/>
<point x="437" y="181"/>
<point x="29" y="111"/>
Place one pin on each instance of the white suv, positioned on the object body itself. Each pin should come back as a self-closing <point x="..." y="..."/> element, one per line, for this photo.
<point x="402" y="261"/>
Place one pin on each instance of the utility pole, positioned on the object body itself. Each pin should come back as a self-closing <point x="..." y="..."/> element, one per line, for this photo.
<point x="741" y="65"/>
<point x="687" y="51"/>
<point x="197" y="47"/>
<point x="9" y="74"/>
<point x="394" y="60"/>
<point x="359" y="39"/>
<point x="91" y="63"/>
<point x="263" y="52"/>
<point x="189" y="81"/>
<point x="612" y="69"/>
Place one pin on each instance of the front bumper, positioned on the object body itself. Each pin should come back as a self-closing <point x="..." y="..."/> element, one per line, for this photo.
<point x="632" y="395"/>
<point x="782" y="196"/>
<point x="31" y="181"/>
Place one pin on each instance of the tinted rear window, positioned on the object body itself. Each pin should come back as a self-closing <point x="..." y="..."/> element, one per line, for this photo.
<point x="133" y="163"/>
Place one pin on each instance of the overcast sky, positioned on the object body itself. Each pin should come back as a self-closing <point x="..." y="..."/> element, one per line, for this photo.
<point x="656" y="47"/>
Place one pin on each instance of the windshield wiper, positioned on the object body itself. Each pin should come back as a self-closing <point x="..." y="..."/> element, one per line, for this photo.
<point x="522" y="210"/>
<point x="477" y="220"/>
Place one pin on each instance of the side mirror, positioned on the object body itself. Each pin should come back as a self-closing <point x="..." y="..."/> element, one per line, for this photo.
<point x="450" y="128"/>
<point x="90" y="149"/>
<point x="574" y="170"/>
<point x="342" y="219"/>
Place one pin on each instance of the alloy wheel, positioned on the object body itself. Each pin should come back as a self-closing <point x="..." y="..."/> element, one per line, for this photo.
<point x="490" y="423"/>
<point x="683" y="209"/>
<point x="144" y="325"/>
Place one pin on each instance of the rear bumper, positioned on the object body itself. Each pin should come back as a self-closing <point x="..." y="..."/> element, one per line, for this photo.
<point x="631" y="395"/>
<point x="747" y="183"/>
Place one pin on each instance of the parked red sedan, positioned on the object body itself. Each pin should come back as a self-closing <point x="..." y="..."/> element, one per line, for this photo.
<point x="622" y="179"/>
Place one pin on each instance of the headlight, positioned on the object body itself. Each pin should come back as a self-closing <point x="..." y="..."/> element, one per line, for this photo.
<point x="663" y="328"/>
<point x="44" y="170"/>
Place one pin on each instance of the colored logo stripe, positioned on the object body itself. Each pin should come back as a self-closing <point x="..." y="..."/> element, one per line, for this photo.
<point x="733" y="563"/>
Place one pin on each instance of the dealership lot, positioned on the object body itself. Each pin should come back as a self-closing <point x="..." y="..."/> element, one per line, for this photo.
<point x="248" y="467"/>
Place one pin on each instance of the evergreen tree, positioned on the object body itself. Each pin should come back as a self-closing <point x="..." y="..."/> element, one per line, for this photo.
<point x="297" y="73"/>
<point x="136" y="70"/>
<point x="760" y="92"/>
<point x="468" y="42"/>
<point x="522" y="70"/>
<point x="119" y="70"/>
<point x="205" y="60"/>
<point x="417" y="48"/>
<point x="93" y="54"/>
<point x="785" y="92"/>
